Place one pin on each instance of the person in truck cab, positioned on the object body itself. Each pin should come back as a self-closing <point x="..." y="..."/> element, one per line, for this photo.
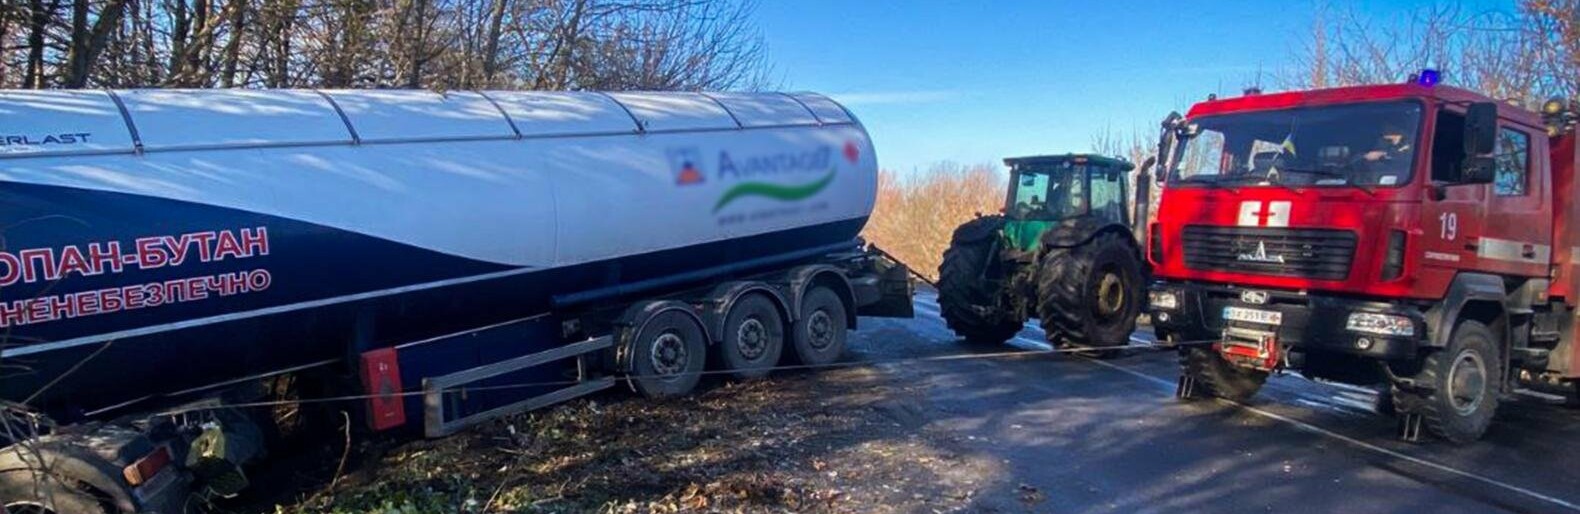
<point x="1391" y="145"/>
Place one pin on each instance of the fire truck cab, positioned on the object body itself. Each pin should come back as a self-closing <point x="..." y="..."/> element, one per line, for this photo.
<point x="1411" y="236"/>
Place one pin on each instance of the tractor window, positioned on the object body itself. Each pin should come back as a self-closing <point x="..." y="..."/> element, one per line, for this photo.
<point x="1048" y="193"/>
<point x="1513" y="157"/>
<point x="1108" y="195"/>
<point x="1031" y="195"/>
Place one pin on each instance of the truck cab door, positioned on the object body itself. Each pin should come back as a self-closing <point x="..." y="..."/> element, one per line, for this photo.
<point x="1502" y="226"/>
<point x="1515" y="239"/>
<point x="1451" y="218"/>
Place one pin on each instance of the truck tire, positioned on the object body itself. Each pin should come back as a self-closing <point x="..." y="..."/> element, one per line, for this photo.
<point x="965" y="300"/>
<point x="20" y="494"/>
<point x="1215" y="376"/>
<point x="754" y="338"/>
<point x="668" y="354"/>
<point x="1090" y="295"/>
<point x="818" y="338"/>
<point x="1462" y="382"/>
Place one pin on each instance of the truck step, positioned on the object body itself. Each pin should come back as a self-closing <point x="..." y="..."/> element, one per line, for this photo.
<point x="1530" y="357"/>
<point x="1544" y="337"/>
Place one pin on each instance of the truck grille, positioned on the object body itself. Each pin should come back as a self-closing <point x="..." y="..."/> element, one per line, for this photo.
<point x="1305" y="253"/>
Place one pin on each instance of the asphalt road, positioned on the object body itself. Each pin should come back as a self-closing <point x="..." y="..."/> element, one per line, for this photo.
<point x="1109" y="436"/>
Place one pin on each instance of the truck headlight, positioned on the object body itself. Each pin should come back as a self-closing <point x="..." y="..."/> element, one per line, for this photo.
<point x="1166" y="300"/>
<point x="1380" y="324"/>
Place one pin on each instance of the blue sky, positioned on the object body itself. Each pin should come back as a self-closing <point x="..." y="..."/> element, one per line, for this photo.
<point x="974" y="82"/>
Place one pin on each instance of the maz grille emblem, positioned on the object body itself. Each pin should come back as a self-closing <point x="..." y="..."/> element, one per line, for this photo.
<point x="1260" y="255"/>
<point x="1254" y="297"/>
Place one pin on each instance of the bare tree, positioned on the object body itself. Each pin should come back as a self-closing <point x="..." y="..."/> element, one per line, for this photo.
<point x="436" y="44"/>
<point x="1522" y="55"/>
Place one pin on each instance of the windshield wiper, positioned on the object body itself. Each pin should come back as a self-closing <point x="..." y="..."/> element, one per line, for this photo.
<point x="1329" y="173"/>
<point x="1201" y="179"/>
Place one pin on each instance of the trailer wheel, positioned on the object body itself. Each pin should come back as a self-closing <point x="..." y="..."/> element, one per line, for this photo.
<point x="1090" y="295"/>
<point x="1462" y="382"/>
<point x="21" y="494"/>
<point x="818" y="338"/>
<point x="1217" y="377"/>
<point x="754" y="335"/>
<point x="668" y="353"/>
<point x="966" y="300"/>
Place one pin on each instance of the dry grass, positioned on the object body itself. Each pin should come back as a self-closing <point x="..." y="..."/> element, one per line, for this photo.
<point x="916" y="214"/>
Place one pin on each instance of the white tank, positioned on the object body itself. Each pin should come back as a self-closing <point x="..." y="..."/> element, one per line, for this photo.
<point x="182" y="223"/>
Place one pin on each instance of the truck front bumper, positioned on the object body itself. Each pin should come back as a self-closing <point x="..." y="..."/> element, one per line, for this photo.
<point x="1302" y="323"/>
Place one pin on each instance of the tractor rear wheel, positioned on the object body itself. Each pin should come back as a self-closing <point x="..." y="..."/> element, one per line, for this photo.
<point x="967" y="299"/>
<point x="1090" y="295"/>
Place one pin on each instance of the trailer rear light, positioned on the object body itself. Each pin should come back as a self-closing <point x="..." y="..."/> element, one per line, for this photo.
<point x="1393" y="265"/>
<point x="1154" y="244"/>
<point x="145" y="468"/>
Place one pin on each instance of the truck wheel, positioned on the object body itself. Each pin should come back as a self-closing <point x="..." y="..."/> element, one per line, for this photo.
<point x="818" y="338"/>
<point x="1090" y="295"/>
<point x="21" y="494"/>
<point x="754" y="335"/>
<point x="1463" y="379"/>
<point x="967" y="301"/>
<point x="1217" y="377"/>
<point x="668" y="353"/>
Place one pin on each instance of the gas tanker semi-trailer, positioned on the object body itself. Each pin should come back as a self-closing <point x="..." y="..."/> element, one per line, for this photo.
<point x="181" y="251"/>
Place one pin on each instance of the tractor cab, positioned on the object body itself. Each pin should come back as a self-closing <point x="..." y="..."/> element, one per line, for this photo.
<point x="1070" y="195"/>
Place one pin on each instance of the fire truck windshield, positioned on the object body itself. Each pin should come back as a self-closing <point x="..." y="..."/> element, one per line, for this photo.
<point x="1363" y="145"/>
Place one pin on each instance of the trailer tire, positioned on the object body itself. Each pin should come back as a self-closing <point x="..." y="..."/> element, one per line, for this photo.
<point x="668" y="354"/>
<point x="1090" y="295"/>
<point x="754" y="335"/>
<point x="1215" y="376"/>
<point x="818" y="338"/>
<point x="20" y="494"/>
<point x="965" y="300"/>
<point x="1463" y="379"/>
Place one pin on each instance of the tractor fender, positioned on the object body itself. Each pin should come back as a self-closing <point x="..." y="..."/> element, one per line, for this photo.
<point x="978" y="229"/>
<point x="1468" y="288"/>
<point x="718" y="302"/>
<point x="1081" y="232"/>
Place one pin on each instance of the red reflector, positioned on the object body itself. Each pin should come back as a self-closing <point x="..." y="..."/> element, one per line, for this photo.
<point x="381" y="380"/>
<point x="146" y="467"/>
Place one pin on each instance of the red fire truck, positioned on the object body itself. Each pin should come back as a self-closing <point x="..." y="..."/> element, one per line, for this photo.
<point x="1411" y="236"/>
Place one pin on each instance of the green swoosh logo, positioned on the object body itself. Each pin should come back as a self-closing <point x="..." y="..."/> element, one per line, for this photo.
<point x="775" y="191"/>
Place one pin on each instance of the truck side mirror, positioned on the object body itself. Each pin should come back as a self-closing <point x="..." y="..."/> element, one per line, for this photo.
<point x="1478" y="169"/>
<point x="1481" y="128"/>
<point x="1481" y="132"/>
<point x="1167" y="138"/>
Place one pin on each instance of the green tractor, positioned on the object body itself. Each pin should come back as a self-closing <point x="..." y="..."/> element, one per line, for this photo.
<point x="1065" y="251"/>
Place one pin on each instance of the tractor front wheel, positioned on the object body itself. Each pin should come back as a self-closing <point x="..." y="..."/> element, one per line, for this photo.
<point x="1089" y="296"/>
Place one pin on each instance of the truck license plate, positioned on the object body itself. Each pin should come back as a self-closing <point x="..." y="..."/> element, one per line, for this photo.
<point x="1253" y="315"/>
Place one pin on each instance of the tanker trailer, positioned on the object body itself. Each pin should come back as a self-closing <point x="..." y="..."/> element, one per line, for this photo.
<point x="194" y="252"/>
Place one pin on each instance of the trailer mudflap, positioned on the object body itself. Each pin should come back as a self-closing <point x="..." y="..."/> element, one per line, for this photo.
<point x="442" y="394"/>
<point x="887" y="294"/>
